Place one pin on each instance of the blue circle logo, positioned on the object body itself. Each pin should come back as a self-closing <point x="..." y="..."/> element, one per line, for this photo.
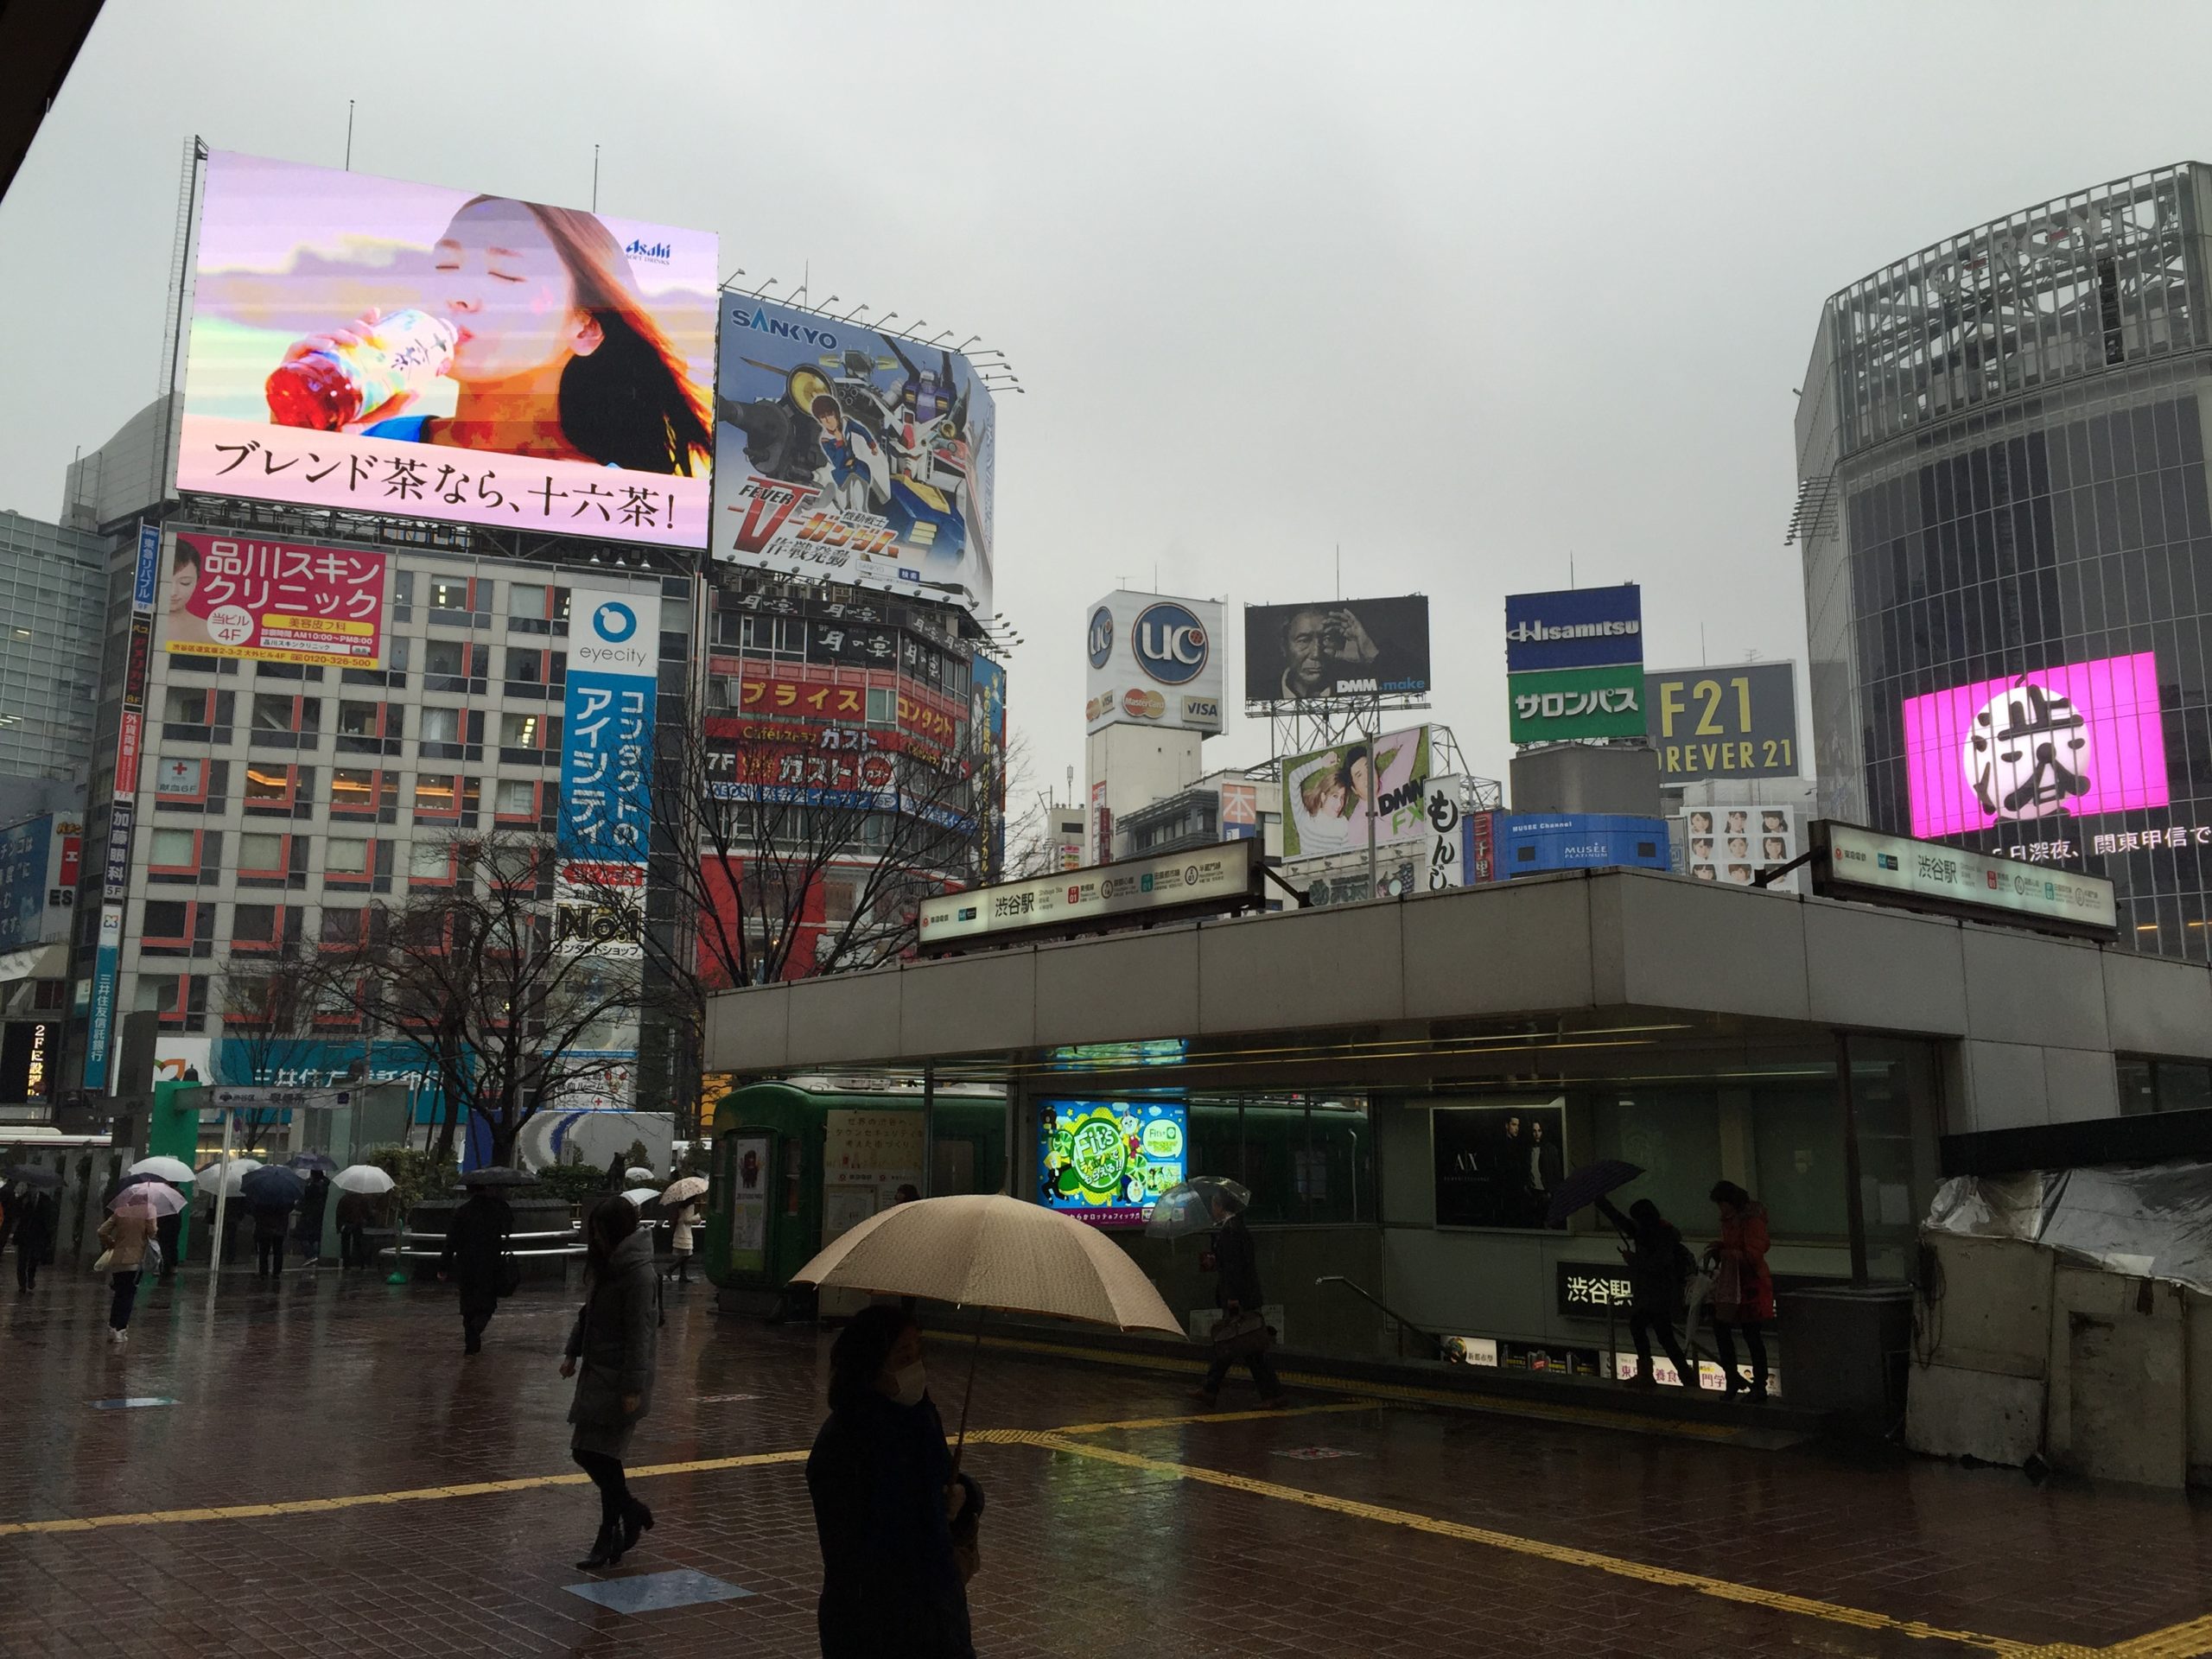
<point x="614" y="622"/>
<point x="1171" y="644"/>
<point x="1101" y="636"/>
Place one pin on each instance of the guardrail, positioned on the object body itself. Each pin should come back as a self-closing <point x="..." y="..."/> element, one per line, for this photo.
<point x="399" y="1249"/>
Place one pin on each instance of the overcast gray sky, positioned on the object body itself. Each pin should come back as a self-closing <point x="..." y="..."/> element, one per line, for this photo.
<point x="1463" y="289"/>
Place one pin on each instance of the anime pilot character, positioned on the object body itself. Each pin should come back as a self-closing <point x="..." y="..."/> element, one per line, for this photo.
<point x="853" y="470"/>
<point x="2027" y="754"/>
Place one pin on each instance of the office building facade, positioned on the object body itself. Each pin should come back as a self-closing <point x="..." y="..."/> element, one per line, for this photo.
<point x="2007" y="545"/>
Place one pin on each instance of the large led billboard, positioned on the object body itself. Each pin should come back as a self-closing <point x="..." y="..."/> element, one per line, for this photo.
<point x="852" y="455"/>
<point x="421" y="351"/>
<point x="1329" y="795"/>
<point x="1108" y="1162"/>
<point x="1354" y="648"/>
<point x="2076" y="741"/>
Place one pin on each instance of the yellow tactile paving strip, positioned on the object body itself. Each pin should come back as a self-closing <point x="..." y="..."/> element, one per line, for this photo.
<point x="2190" y="1640"/>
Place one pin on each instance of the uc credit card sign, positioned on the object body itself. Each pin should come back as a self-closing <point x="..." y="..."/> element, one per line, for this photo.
<point x="1577" y="627"/>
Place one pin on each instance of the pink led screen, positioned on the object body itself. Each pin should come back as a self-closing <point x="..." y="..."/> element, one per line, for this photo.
<point x="2080" y="740"/>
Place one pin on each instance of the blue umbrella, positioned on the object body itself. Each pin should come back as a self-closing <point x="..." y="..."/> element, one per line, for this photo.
<point x="272" y="1188"/>
<point x="1587" y="1186"/>
<point x="307" y="1162"/>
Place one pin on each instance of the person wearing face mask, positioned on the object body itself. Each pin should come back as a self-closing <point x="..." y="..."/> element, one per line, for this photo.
<point x="615" y="1341"/>
<point x="888" y="1502"/>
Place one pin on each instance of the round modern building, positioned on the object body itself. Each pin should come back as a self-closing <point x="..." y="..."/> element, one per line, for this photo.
<point x="2007" y="545"/>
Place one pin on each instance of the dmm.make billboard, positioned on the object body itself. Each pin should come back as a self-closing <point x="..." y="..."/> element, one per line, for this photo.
<point x="276" y="601"/>
<point x="1575" y="664"/>
<point x="1327" y="795"/>
<point x="420" y="352"/>
<point x="847" y="453"/>
<point x="1337" y="648"/>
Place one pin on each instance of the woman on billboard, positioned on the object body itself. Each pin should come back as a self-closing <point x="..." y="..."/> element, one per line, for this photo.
<point x="537" y="320"/>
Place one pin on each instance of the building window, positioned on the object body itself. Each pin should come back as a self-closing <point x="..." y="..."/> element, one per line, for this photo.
<point x="460" y="602"/>
<point x="174" y="853"/>
<point x="532" y="608"/>
<point x="528" y="738"/>
<point x="264" y="927"/>
<point x="517" y="800"/>
<point x="170" y="928"/>
<point x="442" y="725"/>
<point x="285" y="722"/>
<point x="261" y="855"/>
<point x="342" y="924"/>
<point x="534" y="673"/>
<point x="2164" y="1086"/>
<point x="429" y="863"/>
<point x="357" y="791"/>
<point x="345" y="855"/>
<point x="371" y="727"/>
<point x="181" y="1000"/>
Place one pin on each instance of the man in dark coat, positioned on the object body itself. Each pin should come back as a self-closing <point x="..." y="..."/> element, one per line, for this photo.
<point x="1658" y="1270"/>
<point x="476" y="1239"/>
<point x="1238" y="1293"/>
<point x="313" y="1203"/>
<point x="35" y="1235"/>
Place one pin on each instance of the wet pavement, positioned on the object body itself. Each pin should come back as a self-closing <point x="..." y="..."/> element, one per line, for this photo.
<point x="320" y="1472"/>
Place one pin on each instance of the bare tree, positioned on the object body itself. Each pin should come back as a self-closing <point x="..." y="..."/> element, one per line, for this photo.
<point x="509" y="1013"/>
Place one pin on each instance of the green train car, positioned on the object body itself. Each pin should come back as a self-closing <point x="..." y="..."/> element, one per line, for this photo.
<point x="794" y="1160"/>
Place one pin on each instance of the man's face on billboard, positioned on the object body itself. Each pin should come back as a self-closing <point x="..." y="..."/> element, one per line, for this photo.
<point x="1305" y="648"/>
<point x="1512" y="1128"/>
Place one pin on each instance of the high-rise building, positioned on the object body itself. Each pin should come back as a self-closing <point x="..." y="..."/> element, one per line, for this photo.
<point x="277" y="802"/>
<point x="2007" y="545"/>
<point x="53" y="590"/>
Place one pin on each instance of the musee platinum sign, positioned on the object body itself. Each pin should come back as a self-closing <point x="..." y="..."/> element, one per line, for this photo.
<point x="1216" y="878"/>
<point x="1926" y="875"/>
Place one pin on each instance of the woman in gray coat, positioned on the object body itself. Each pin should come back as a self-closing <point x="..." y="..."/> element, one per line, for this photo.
<point x="613" y="1341"/>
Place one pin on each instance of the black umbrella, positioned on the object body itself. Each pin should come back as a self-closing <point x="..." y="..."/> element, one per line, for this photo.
<point x="1587" y="1186"/>
<point x="271" y="1188"/>
<point x="499" y="1177"/>
<point x="309" y="1162"/>
<point x="34" y="1175"/>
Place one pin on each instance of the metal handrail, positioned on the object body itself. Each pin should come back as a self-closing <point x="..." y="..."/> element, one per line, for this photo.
<point x="399" y="1251"/>
<point x="1428" y="1341"/>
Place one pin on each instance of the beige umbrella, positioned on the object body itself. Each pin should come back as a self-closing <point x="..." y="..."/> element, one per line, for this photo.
<point x="988" y="1251"/>
<point x="684" y="1191"/>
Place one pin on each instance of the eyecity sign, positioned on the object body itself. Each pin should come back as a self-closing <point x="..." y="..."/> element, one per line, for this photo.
<point x="1851" y="863"/>
<point x="1207" y="881"/>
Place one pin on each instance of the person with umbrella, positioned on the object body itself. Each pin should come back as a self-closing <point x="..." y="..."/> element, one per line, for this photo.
<point x="885" y="1499"/>
<point x="358" y="1186"/>
<point x="168" y="1226"/>
<point x="476" y="1238"/>
<point x="614" y="1342"/>
<point x="272" y="1194"/>
<point x="126" y="1232"/>
<point x="1659" y="1266"/>
<point x="34" y="1228"/>
<point x="683" y="1196"/>
<point x="1238" y="1293"/>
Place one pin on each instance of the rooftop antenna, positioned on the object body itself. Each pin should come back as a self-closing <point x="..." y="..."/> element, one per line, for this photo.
<point x="594" y="178"/>
<point x="1340" y="569"/>
<point x="349" y="135"/>
<point x="1700" y="645"/>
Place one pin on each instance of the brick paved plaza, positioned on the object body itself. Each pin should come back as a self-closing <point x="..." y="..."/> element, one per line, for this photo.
<point x="330" y="1477"/>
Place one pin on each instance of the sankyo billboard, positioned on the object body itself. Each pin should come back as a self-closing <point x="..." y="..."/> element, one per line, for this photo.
<point x="852" y="455"/>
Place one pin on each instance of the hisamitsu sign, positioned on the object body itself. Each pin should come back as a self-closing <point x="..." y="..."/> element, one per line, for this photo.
<point x="1223" y="877"/>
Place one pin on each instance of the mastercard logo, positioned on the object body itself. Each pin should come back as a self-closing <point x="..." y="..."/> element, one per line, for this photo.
<point x="1140" y="704"/>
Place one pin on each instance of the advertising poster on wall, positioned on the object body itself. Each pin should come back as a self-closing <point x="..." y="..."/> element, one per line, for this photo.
<point x="1736" y="721"/>
<point x="1735" y="842"/>
<point x="1107" y="1162"/>
<point x="2076" y="742"/>
<point x="987" y="726"/>
<point x="274" y="601"/>
<point x="850" y="455"/>
<point x="866" y="1158"/>
<point x="408" y="349"/>
<point x="1497" y="1165"/>
<point x="748" y="1204"/>
<point x="1332" y="649"/>
<point x="1575" y="664"/>
<point x="26" y="869"/>
<point x="1240" y="811"/>
<point x="1327" y="795"/>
